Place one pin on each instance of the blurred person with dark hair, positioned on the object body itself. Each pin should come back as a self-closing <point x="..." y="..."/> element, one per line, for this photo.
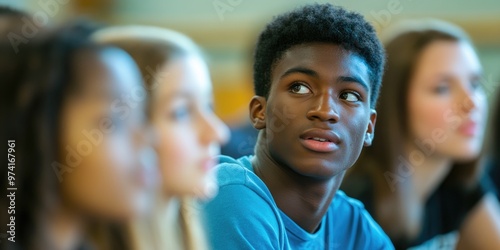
<point x="10" y="23"/>
<point x="76" y="141"/>
<point x="421" y="177"/>
<point x="317" y="73"/>
<point x="187" y="132"/>
<point x="11" y="68"/>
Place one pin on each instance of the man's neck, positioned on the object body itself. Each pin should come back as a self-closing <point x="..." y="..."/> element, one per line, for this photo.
<point x="305" y="200"/>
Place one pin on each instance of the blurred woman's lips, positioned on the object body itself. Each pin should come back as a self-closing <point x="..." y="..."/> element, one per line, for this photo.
<point x="468" y="128"/>
<point x="208" y="164"/>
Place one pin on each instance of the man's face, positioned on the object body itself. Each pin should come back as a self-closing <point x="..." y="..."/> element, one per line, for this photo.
<point x="317" y="116"/>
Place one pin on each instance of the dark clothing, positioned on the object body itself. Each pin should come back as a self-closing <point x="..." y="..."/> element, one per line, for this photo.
<point x="494" y="176"/>
<point x="444" y="211"/>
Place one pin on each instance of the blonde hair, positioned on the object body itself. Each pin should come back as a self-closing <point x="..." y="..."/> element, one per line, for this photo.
<point x="176" y="225"/>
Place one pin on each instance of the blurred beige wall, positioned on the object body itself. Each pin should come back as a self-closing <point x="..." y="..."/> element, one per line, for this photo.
<point x="227" y="29"/>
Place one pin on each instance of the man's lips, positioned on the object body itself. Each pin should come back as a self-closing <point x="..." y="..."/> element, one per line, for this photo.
<point x="320" y="140"/>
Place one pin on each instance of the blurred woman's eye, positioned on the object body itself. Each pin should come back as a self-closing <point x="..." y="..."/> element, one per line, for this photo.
<point x="442" y="88"/>
<point x="475" y="84"/>
<point x="299" y="88"/>
<point x="350" y="96"/>
<point x="181" y="113"/>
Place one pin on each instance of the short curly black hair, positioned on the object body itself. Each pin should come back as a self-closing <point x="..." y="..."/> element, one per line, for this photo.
<point x="318" y="23"/>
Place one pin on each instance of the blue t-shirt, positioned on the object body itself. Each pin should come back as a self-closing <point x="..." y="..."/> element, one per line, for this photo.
<point x="244" y="216"/>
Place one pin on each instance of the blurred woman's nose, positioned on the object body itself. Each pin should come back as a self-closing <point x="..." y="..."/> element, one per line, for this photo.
<point x="470" y="98"/>
<point x="213" y="130"/>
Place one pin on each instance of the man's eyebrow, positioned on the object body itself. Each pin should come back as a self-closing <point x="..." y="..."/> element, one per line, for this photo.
<point x="315" y="74"/>
<point x="356" y="80"/>
<point x="300" y="70"/>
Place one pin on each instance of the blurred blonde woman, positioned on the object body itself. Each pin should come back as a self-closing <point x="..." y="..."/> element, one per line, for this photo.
<point x="188" y="134"/>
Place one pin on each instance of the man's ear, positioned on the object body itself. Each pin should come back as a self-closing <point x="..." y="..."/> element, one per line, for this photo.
<point x="370" y="130"/>
<point x="258" y="111"/>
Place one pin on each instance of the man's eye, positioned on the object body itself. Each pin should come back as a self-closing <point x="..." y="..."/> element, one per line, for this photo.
<point x="299" y="88"/>
<point x="350" y="96"/>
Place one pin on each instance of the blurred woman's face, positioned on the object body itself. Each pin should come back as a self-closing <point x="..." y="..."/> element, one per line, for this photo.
<point x="447" y="106"/>
<point x="101" y="142"/>
<point x="189" y="134"/>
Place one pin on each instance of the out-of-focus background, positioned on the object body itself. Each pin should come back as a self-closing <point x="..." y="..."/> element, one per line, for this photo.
<point x="227" y="30"/>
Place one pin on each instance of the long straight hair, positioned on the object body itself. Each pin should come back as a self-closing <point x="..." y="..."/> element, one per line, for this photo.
<point x="382" y="162"/>
<point x="495" y="132"/>
<point x="493" y="143"/>
<point x="39" y="86"/>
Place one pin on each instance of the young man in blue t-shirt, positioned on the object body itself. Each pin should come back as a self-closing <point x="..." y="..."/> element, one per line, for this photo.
<point x="317" y="74"/>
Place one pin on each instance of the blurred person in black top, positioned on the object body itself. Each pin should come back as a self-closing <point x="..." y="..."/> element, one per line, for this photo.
<point x="421" y="178"/>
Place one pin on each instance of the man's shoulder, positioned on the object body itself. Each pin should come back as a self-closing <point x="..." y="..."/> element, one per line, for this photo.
<point x="233" y="171"/>
<point x="341" y="199"/>
<point x="352" y="219"/>
<point x="237" y="175"/>
<point x="347" y="208"/>
<point x="243" y="213"/>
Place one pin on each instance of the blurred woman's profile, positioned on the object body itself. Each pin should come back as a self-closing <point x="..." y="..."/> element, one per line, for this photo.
<point x="421" y="177"/>
<point x="76" y="142"/>
<point x="187" y="132"/>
